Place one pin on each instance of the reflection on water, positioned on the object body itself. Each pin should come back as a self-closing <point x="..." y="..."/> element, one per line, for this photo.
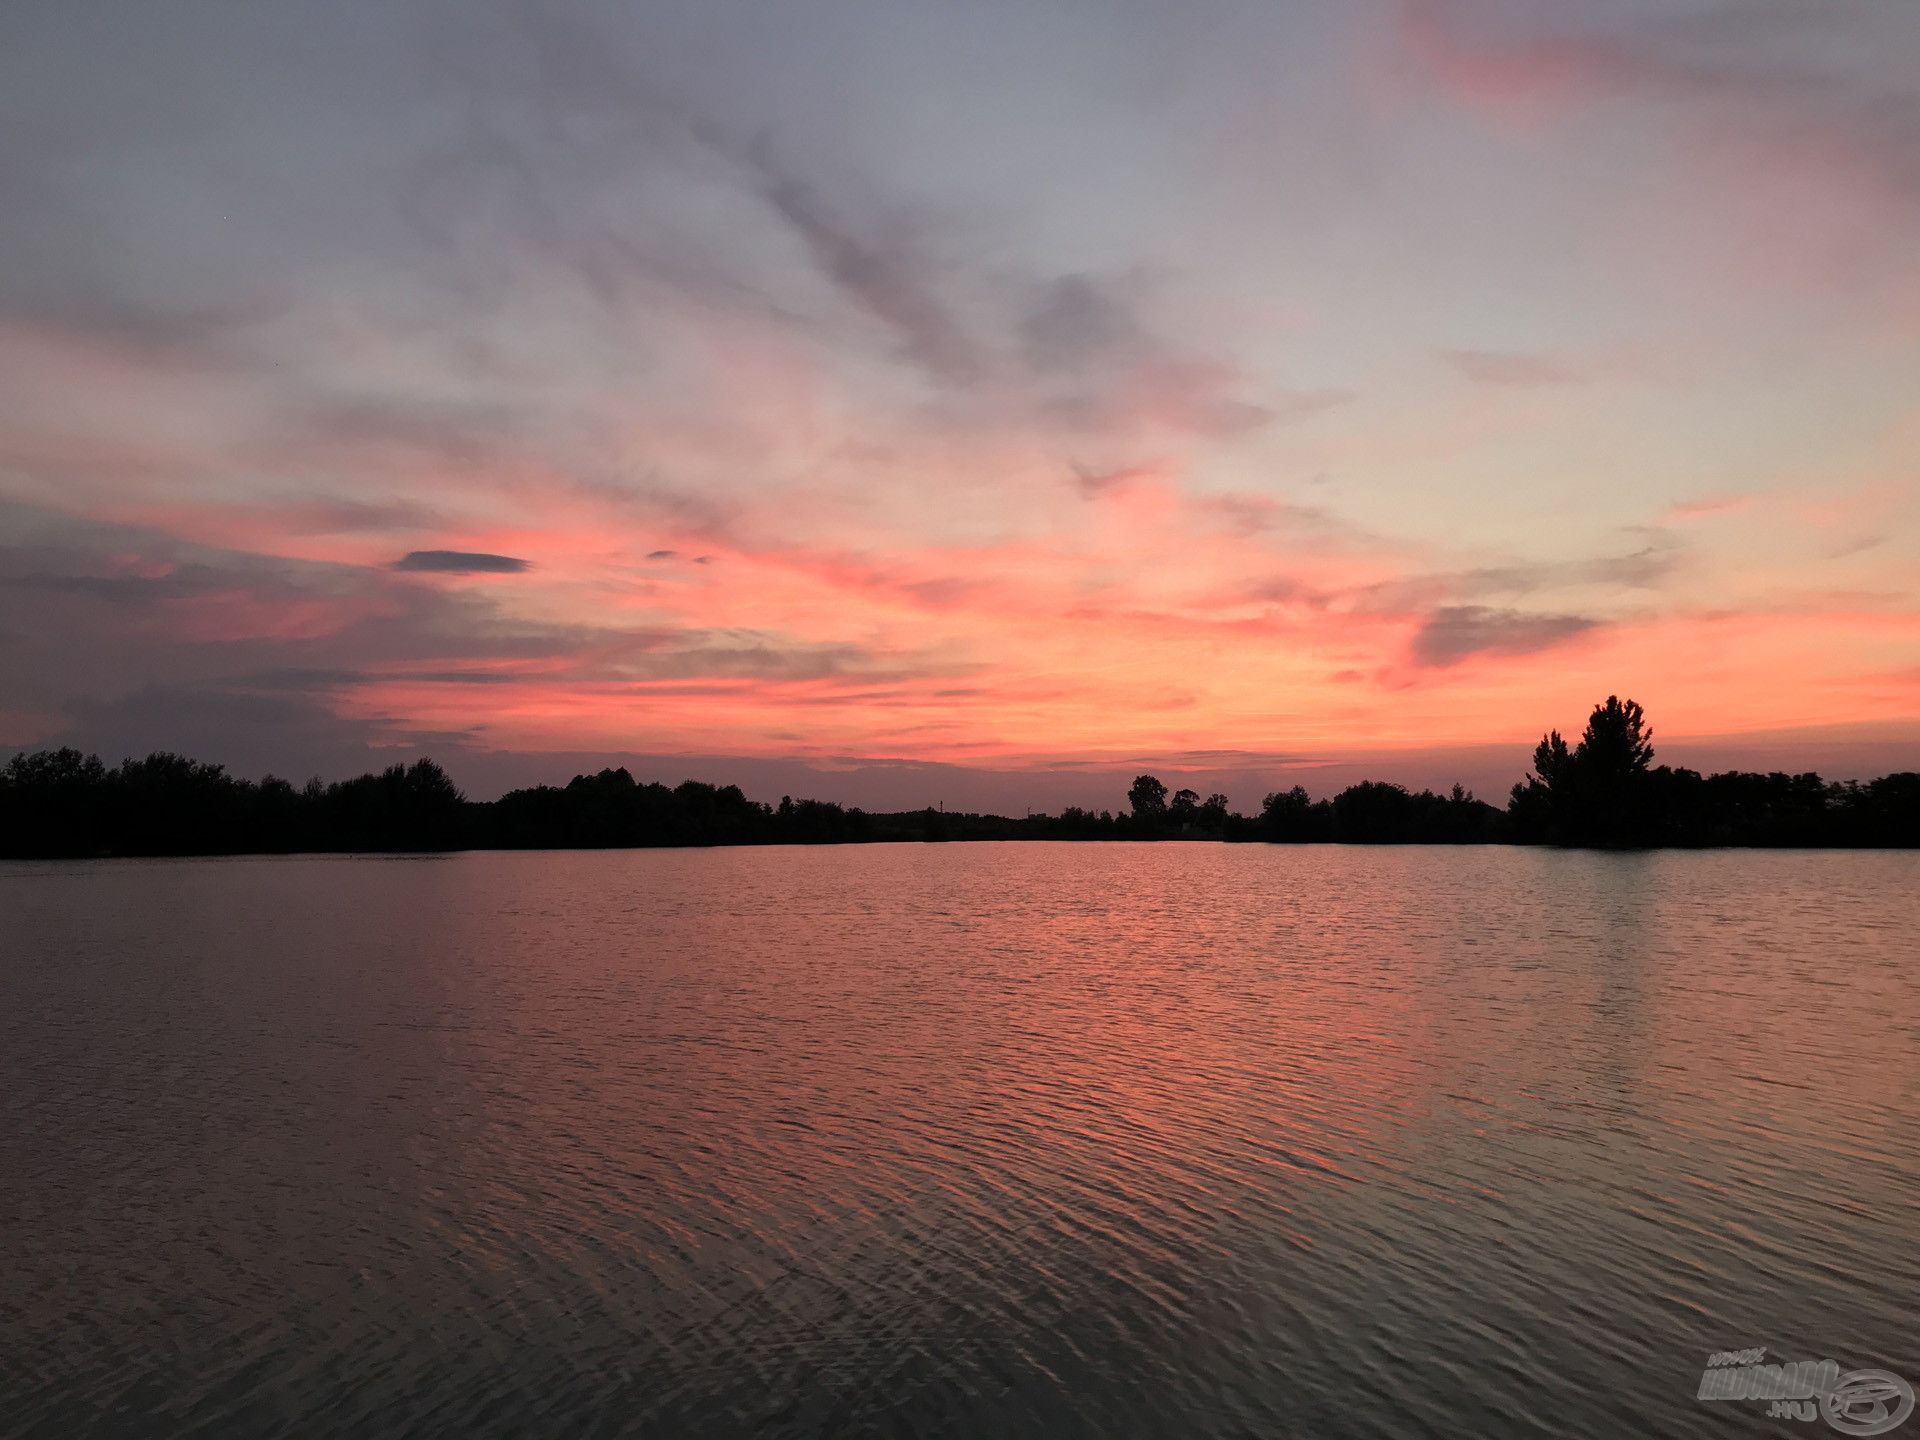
<point x="1000" y="1140"/>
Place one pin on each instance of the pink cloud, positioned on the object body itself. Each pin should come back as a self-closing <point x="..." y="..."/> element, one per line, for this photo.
<point x="1708" y="505"/>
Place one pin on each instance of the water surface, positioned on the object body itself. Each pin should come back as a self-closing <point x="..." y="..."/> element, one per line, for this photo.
<point x="1006" y="1140"/>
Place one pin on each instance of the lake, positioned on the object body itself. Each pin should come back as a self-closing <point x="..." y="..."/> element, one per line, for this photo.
<point x="998" y="1140"/>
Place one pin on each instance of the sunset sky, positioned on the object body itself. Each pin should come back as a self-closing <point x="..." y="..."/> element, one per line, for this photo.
<point x="904" y="402"/>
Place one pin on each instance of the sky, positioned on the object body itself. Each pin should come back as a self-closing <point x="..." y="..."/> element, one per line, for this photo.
<point x="911" y="403"/>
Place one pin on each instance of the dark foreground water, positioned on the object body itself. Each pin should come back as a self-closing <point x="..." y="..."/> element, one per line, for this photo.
<point x="1044" y="1140"/>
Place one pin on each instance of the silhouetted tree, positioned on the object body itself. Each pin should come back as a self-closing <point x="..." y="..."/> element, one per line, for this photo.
<point x="1291" y="815"/>
<point x="1881" y="812"/>
<point x="1372" y="812"/>
<point x="52" y="803"/>
<point x="1148" y="797"/>
<point x="1617" y="743"/>
<point x="404" y="807"/>
<point x="1598" y="793"/>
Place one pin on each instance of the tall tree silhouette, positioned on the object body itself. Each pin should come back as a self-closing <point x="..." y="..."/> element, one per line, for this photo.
<point x="1148" y="798"/>
<point x="1617" y="743"/>
<point x="1552" y="761"/>
<point x="1597" y="793"/>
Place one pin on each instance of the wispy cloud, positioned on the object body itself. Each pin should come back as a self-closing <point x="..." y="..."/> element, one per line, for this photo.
<point x="1512" y="367"/>
<point x="882" y="273"/>
<point x="1099" y="363"/>
<point x="1752" y="64"/>
<point x="1706" y="505"/>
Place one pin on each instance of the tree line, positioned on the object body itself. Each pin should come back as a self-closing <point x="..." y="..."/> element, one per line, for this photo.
<point x="1603" y="790"/>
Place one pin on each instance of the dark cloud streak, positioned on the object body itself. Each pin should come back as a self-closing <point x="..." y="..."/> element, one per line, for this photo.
<point x="460" y="562"/>
<point x="1453" y="633"/>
